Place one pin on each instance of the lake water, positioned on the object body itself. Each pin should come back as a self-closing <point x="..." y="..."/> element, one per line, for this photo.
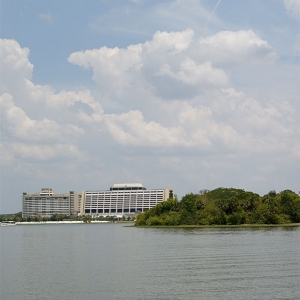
<point x="110" y="261"/>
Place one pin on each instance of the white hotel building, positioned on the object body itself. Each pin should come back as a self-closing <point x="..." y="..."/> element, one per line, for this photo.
<point x="121" y="199"/>
<point x="46" y="203"/>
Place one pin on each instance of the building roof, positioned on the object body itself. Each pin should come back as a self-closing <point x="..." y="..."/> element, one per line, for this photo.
<point x="123" y="185"/>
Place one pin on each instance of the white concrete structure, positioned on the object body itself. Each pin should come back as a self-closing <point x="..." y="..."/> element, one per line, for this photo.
<point x="123" y="199"/>
<point x="46" y="203"/>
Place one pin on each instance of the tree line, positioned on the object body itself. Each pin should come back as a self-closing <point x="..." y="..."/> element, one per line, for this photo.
<point x="224" y="206"/>
<point x="58" y="217"/>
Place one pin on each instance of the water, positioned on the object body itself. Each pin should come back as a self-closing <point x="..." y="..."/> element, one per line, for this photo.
<point x="109" y="261"/>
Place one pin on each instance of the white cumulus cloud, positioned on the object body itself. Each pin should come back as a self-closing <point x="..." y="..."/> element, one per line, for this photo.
<point x="180" y="88"/>
<point x="235" y="47"/>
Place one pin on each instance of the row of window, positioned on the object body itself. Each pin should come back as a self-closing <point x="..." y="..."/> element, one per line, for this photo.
<point x="118" y="206"/>
<point x="34" y="205"/>
<point x="113" y="211"/>
<point x="121" y="200"/>
<point x="45" y="198"/>
<point x="67" y="201"/>
<point x="47" y="204"/>
<point x="39" y="208"/>
<point x="126" y="193"/>
<point x="129" y="205"/>
<point x="133" y="188"/>
<point x="126" y="196"/>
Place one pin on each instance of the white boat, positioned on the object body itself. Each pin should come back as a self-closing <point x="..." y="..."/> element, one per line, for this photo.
<point x="8" y="223"/>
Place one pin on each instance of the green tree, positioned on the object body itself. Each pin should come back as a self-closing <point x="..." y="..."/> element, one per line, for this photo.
<point x="290" y="205"/>
<point x="271" y="208"/>
<point x="225" y="206"/>
<point x="211" y="215"/>
<point x="171" y="218"/>
<point x="87" y="219"/>
<point x="154" y="221"/>
<point x="141" y="220"/>
<point x="236" y="218"/>
<point x="188" y="203"/>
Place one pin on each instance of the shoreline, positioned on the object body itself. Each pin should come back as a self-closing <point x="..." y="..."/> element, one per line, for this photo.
<point x="160" y="226"/>
<point x="222" y="226"/>
<point x="61" y="222"/>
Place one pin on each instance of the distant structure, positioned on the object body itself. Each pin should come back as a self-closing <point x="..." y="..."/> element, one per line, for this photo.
<point x="123" y="199"/>
<point x="46" y="203"/>
<point x="120" y="200"/>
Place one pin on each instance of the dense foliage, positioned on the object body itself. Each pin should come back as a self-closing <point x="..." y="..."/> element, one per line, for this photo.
<point x="18" y="218"/>
<point x="57" y="217"/>
<point x="225" y="206"/>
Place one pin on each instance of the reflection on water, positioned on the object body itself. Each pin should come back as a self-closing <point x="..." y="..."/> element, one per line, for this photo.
<point x="109" y="261"/>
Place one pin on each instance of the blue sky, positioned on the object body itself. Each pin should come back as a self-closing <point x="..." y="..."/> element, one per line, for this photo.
<point x="185" y="94"/>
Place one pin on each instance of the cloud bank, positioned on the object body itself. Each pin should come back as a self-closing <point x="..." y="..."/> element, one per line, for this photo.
<point x="185" y="77"/>
<point x="169" y="100"/>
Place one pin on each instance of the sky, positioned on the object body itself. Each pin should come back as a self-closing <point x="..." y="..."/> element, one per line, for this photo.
<point x="181" y="94"/>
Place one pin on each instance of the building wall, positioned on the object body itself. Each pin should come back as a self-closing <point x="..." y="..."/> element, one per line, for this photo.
<point x="81" y="202"/>
<point x="123" y="201"/>
<point x="47" y="204"/>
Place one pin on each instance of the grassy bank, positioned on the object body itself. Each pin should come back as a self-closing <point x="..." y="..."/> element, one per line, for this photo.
<point x="225" y="226"/>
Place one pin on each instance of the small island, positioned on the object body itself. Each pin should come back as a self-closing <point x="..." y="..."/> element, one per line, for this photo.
<point x="224" y="206"/>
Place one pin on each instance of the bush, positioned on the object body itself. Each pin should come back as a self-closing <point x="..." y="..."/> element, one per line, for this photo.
<point x="172" y="218"/>
<point x="141" y="220"/>
<point x="237" y="218"/>
<point x="154" y="221"/>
